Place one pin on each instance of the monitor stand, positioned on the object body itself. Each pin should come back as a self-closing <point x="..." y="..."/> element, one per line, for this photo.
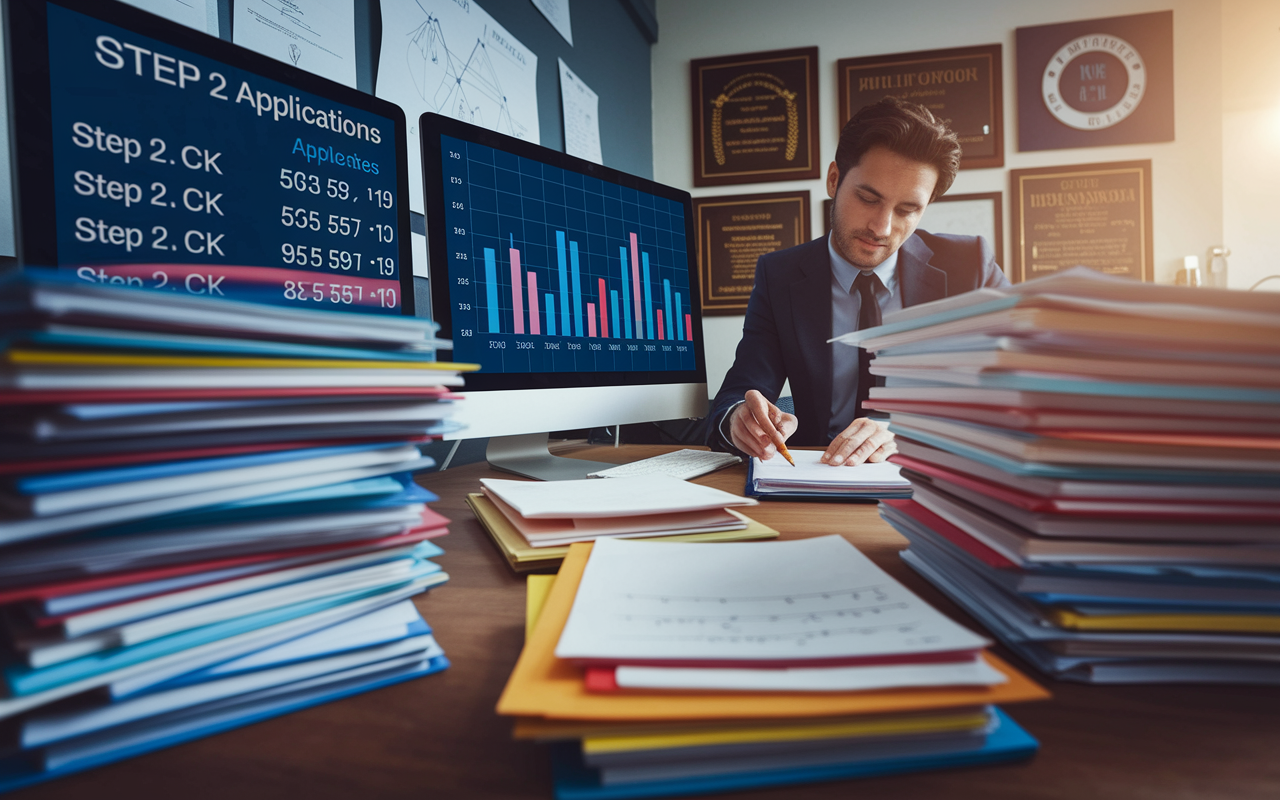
<point x="527" y="455"/>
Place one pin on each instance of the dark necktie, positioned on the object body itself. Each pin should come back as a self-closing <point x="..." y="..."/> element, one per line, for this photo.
<point x="868" y="317"/>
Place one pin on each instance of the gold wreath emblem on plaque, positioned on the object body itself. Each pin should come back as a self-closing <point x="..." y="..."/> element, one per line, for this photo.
<point x="760" y="81"/>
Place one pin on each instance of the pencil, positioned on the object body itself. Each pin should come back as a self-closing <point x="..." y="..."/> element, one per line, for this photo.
<point x="782" y="448"/>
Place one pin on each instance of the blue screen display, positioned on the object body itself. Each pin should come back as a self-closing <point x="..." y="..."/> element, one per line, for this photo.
<point x="551" y="270"/>
<point x="177" y="172"/>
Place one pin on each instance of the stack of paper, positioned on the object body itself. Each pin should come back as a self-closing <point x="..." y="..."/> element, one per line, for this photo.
<point x="810" y="479"/>
<point x="675" y="669"/>
<point x="533" y="523"/>
<point x="207" y="516"/>
<point x="1096" y="471"/>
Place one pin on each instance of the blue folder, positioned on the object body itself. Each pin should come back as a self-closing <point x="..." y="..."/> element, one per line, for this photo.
<point x="21" y="770"/>
<point x="574" y="781"/>
<point x="824" y="497"/>
<point x="23" y="680"/>
<point x="66" y="481"/>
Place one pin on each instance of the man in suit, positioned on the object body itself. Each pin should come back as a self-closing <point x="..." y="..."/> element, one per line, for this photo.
<point x="893" y="159"/>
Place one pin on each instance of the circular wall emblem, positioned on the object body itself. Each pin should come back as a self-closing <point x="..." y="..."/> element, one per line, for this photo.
<point x="1093" y="82"/>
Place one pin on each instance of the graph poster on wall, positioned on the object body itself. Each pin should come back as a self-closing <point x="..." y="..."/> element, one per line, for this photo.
<point x="733" y="232"/>
<point x="1096" y="82"/>
<point x="455" y="60"/>
<point x="316" y="36"/>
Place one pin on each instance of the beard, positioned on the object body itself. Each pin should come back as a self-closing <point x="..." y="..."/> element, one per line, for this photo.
<point x="847" y="245"/>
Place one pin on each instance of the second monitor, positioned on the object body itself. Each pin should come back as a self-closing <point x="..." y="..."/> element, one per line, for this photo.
<point x="572" y="285"/>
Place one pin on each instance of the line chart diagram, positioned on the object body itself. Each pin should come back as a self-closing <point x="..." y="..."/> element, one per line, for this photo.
<point x="450" y="57"/>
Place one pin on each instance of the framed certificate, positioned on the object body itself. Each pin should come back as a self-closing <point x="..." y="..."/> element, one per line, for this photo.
<point x="755" y="117"/>
<point x="961" y="85"/>
<point x="980" y="214"/>
<point x="1095" y="215"/>
<point x="733" y="232"/>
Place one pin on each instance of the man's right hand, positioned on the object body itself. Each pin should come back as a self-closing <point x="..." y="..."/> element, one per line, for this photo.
<point x="756" y="426"/>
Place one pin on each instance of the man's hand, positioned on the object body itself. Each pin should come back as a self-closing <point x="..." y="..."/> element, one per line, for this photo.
<point x="864" y="440"/>
<point x="757" y="426"/>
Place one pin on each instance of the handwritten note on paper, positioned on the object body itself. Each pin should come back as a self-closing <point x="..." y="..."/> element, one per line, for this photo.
<point x="581" y="116"/>
<point x="777" y="602"/>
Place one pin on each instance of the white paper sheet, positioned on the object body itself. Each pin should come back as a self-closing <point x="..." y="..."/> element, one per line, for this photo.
<point x="7" y="244"/>
<point x="581" y="116"/>
<point x="452" y="58"/>
<point x="975" y="672"/>
<point x="199" y="14"/>
<point x="762" y="602"/>
<point x="616" y="497"/>
<point x="421" y="265"/>
<point x="557" y="13"/>
<point x="810" y="471"/>
<point x="315" y="35"/>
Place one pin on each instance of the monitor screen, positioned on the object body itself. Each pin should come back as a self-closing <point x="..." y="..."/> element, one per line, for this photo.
<point x="152" y="155"/>
<point x="553" y="271"/>
<point x="571" y="284"/>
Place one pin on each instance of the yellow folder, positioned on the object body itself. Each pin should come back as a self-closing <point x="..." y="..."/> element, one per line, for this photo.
<point x="544" y="686"/>
<point x="1217" y="623"/>
<point x="524" y="558"/>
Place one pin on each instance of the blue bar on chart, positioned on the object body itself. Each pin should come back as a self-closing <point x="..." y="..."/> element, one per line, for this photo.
<point x="551" y="315"/>
<point x="613" y="304"/>
<point x="679" y="319"/>
<point x="666" y="307"/>
<point x="626" y="296"/>
<point x="648" y="297"/>
<point x="491" y="288"/>
<point x="577" y="289"/>
<point x="564" y="284"/>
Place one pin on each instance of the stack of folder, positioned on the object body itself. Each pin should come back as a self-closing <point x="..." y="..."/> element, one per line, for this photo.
<point x="533" y="523"/>
<point x="661" y="669"/>
<point x="1096" y="471"/>
<point x="207" y="516"/>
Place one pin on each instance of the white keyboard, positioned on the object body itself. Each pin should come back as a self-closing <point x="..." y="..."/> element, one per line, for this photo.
<point x="682" y="464"/>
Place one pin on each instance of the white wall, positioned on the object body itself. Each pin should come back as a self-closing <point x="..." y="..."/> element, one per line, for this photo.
<point x="1187" y="174"/>
<point x="1251" y="140"/>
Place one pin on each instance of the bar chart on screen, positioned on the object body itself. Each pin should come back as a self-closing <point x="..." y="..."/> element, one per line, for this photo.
<point x="554" y="271"/>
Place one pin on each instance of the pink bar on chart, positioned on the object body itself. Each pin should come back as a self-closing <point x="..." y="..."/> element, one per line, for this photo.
<point x="688" y="324"/>
<point x="660" y="336"/>
<point x="635" y="286"/>
<point x="535" y="319"/>
<point x="604" y="312"/>
<point x="517" y="301"/>
<point x="591" y="319"/>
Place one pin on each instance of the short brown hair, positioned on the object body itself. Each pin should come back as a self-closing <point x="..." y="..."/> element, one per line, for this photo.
<point x="905" y="128"/>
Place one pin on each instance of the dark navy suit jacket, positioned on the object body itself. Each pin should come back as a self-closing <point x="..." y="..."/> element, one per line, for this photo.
<point x="788" y="322"/>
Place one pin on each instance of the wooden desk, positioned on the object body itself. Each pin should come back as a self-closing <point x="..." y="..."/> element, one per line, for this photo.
<point x="438" y="737"/>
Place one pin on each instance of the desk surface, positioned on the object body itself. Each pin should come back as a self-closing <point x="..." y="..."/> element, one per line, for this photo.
<point x="439" y="736"/>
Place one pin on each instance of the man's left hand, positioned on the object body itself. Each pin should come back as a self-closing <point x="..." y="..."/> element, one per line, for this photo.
<point x="865" y="439"/>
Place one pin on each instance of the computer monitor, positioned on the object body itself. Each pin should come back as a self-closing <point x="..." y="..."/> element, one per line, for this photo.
<point x="572" y="285"/>
<point x="152" y="155"/>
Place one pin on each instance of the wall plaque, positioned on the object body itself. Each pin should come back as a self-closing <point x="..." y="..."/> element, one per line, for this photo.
<point x="1096" y="82"/>
<point x="961" y="85"/>
<point x="1096" y="215"/>
<point x="755" y="117"/>
<point x="733" y="232"/>
<point x="979" y="214"/>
